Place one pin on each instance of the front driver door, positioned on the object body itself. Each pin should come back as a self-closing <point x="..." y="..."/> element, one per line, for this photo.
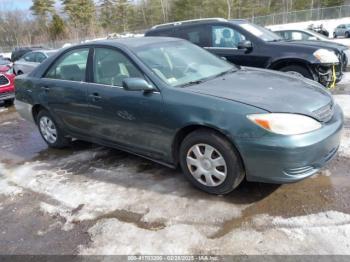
<point x="130" y="119"/>
<point x="225" y="44"/>
<point x="64" y="89"/>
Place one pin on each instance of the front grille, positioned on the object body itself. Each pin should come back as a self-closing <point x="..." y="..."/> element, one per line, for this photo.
<point x="325" y="113"/>
<point x="3" y="81"/>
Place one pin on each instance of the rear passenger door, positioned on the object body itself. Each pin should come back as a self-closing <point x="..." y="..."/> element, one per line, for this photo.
<point x="63" y="88"/>
<point x="129" y="119"/>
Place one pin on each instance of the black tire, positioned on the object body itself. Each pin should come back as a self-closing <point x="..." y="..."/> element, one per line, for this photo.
<point x="19" y="73"/>
<point x="335" y="35"/>
<point x="9" y="102"/>
<point x="61" y="141"/>
<point x="302" y="70"/>
<point x="347" y="34"/>
<point x="234" y="167"/>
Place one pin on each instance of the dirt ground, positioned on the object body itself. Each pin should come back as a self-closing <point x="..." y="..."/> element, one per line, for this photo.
<point x="88" y="199"/>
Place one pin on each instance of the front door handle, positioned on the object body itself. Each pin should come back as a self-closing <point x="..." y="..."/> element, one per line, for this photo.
<point x="95" y="96"/>
<point x="45" y="88"/>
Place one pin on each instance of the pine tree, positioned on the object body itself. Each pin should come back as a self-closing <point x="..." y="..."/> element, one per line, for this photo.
<point x="57" y="27"/>
<point x="81" y="13"/>
<point x="42" y="8"/>
<point x="106" y="10"/>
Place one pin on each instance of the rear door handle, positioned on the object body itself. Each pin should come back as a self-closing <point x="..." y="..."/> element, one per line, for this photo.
<point x="45" y="88"/>
<point x="95" y="96"/>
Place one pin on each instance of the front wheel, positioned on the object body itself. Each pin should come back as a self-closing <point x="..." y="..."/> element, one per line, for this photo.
<point x="335" y="35"/>
<point x="297" y="70"/>
<point x="347" y="34"/>
<point x="210" y="162"/>
<point x="50" y="131"/>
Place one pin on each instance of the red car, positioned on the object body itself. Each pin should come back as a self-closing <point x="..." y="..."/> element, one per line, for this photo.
<point x="7" y="87"/>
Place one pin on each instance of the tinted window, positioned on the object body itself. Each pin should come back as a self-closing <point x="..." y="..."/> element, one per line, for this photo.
<point x="112" y="67"/>
<point x="196" y="35"/>
<point x="71" y="66"/>
<point x="223" y="36"/>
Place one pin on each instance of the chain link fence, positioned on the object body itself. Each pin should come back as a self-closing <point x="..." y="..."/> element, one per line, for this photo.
<point x="302" y="16"/>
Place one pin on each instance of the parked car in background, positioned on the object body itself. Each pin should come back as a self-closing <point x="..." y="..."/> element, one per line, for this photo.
<point x="7" y="88"/>
<point x="247" y="44"/>
<point x="318" y="29"/>
<point x="31" y="60"/>
<point x="175" y="103"/>
<point x="342" y="30"/>
<point x="305" y="36"/>
<point x="18" y="52"/>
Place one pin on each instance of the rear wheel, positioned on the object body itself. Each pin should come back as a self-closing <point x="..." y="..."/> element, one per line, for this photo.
<point x="19" y="73"/>
<point x="297" y="70"/>
<point x="210" y="162"/>
<point x="347" y="34"/>
<point x="335" y="35"/>
<point x="50" y="131"/>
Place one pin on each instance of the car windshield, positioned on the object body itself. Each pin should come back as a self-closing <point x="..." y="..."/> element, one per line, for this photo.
<point x="318" y="35"/>
<point x="261" y="32"/>
<point x="180" y="63"/>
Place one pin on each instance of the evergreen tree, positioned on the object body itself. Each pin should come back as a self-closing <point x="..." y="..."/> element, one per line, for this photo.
<point x="57" y="27"/>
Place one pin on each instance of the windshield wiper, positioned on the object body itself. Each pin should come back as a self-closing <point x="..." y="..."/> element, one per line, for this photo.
<point x="232" y="70"/>
<point x="196" y="82"/>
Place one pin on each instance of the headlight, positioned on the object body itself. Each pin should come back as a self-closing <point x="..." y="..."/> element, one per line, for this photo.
<point x="285" y="124"/>
<point x="326" y="57"/>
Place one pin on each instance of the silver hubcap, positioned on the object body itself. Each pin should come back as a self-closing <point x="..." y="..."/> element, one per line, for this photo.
<point x="206" y="165"/>
<point x="48" y="129"/>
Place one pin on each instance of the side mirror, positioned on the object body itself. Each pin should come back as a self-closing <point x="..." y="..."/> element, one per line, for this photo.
<point x="137" y="84"/>
<point x="245" y="44"/>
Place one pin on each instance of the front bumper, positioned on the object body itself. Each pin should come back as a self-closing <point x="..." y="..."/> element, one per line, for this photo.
<point x="286" y="159"/>
<point x="328" y="74"/>
<point x="7" y="96"/>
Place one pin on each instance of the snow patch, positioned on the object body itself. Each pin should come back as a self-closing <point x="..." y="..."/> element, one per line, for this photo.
<point x="344" y="102"/>
<point x="98" y="190"/>
<point x="6" y="187"/>
<point x="323" y="233"/>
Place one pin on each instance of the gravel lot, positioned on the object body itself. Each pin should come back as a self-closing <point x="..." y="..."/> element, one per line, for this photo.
<point x="89" y="199"/>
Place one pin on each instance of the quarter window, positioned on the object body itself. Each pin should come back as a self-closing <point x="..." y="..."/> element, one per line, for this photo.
<point x="226" y="37"/>
<point x="71" y="66"/>
<point x="111" y="67"/>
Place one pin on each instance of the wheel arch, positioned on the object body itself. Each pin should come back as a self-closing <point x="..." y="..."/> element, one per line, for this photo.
<point x="186" y="130"/>
<point x="36" y="109"/>
<point x="279" y="64"/>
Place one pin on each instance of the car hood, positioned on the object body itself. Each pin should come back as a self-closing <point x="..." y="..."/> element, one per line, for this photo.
<point x="269" y="90"/>
<point x="322" y="44"/>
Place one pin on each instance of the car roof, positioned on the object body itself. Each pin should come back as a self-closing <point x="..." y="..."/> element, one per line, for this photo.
<point x="134" y="42"/>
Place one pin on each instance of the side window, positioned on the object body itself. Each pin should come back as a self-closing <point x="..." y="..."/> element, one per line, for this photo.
<point x="30" y="57"/>
<point x="39" y="57"/>
<point x="223" y="36"/>
<point x="196" y="35"/>
<point x="111" y="67"/>
<point x="70" y="66"/>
